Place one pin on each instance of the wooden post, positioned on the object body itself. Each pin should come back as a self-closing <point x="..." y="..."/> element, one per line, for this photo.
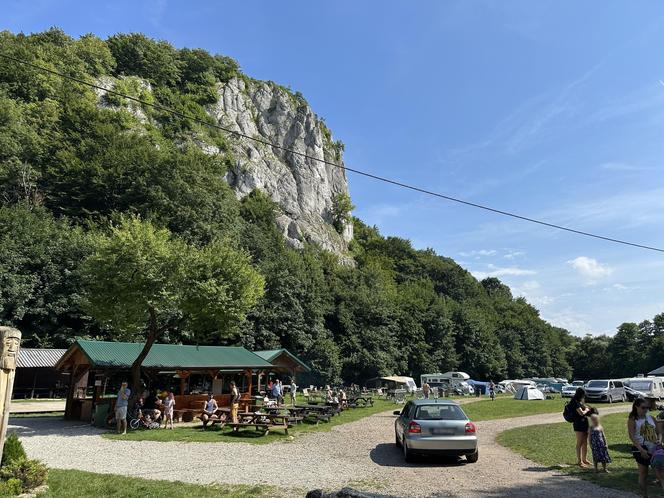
<point x="250" y="376"/>
<point x="184" y="375"/>
<point x="11" y="342"/>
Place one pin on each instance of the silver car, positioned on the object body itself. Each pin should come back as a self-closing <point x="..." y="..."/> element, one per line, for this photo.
<point x="435" y="427"/>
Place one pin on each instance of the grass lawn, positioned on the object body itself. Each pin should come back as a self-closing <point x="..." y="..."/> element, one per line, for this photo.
<point x="76" y="483"/>
<point x="552" y="445"/>
<point x="508" y="407"/>
<point x="194" y="433"/>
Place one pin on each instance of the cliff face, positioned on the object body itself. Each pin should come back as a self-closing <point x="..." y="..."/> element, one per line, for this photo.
<point x="305" y="189"/>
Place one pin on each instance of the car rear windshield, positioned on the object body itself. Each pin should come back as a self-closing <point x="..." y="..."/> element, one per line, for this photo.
<point x="598" y="383"/>
<point x="439" y="412"/>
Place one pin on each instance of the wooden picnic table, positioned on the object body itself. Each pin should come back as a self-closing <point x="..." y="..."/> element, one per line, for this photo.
<point x="262" y="420"/>
<point x="364" y="400"/>
<point x="295" y="414"/>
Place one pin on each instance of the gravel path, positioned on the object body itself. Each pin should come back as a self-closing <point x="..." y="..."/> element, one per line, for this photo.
<point x="361" y="454"/>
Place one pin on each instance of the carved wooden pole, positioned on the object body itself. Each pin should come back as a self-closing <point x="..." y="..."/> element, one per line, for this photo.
<point x="10" y="340"/>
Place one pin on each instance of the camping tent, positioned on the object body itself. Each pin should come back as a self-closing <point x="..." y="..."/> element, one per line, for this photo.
<point x="529" y="393"/>
<point x="483" y="387"/>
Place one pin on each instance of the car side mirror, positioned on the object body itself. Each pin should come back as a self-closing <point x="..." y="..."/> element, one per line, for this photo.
<point x="396" y="413"/>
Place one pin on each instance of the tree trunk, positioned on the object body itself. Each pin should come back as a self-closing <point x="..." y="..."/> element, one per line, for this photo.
<point x="150" y="339"/>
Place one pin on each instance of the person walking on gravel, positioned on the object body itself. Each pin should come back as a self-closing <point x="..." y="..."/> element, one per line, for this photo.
<point x="642" y="430"/>
<point x="580" y="423"/>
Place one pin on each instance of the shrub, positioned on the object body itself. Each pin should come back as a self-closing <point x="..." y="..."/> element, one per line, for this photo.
<point x="13" y="450"/>
<point x="31" y="473"/>
<point x="11" y="487"/>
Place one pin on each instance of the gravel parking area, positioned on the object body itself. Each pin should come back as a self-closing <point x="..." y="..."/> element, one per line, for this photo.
<point x="361" y="454"/>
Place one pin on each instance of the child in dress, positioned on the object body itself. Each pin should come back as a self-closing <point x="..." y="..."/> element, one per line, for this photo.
<point x="598" y="444"/>
<point x="169" y="405"/>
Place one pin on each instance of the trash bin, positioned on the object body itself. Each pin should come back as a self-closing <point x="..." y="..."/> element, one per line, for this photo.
<point x="101" y="413"/>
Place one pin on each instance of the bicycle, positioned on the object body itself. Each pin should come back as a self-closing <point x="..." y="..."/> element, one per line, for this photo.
<point x="138" y="419"/>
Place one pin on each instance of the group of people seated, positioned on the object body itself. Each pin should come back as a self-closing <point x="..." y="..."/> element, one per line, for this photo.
<point x="153" y="408"/>
<point x="336" y="398"/>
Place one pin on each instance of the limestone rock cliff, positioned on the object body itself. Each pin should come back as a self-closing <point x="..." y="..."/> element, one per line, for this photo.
<point x="305" y="189"/>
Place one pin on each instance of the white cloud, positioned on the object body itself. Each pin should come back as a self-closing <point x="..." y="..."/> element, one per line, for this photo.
<point x="571" y="320"/>
<point x="514" y="254"/>
<point x="494" y="271"/>
<point x="478" y="254"/>
<point x="590" y="268"/>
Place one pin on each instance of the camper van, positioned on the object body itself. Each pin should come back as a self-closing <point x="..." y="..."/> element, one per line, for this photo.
<point x="650" y="387"/>
<point x="448" y="379"/>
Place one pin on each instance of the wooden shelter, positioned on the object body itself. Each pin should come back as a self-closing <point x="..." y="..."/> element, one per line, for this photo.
<point x="105" y="360"/>
<point x="283" y="362"/>
<point x="36" y="376"/>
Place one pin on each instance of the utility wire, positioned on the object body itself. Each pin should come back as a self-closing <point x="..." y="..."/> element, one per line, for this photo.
<point x="330" y="163"/>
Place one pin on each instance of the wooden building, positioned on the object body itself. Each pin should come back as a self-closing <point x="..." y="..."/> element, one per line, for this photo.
<point x="97" y="368"/>
<point x="36" y="376"/>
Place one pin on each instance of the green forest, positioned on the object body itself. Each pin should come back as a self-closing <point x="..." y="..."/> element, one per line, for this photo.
<point x="115" y="225"/>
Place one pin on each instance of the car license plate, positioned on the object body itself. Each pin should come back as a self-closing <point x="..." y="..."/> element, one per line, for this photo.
<point x="442" y="432"/>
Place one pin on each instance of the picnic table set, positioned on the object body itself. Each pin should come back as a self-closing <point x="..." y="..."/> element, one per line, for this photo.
<point x="268" y="417"/>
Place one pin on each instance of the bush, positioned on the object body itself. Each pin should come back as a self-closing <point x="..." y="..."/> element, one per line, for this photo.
<point x="11" y="487"/>
<point x="31" y="473"/>
<point x="13" y="450"/>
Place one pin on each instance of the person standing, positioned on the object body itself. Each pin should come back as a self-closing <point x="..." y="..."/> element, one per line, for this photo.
<point x="293" y="390"/>
<point x="169" y="406"/>
<point x="426" y="389"/>
<point x="580" y="424"/>
<point x="492" y="391"/>
<point x="598" y="444"/>
<point x="235" y="403"/>
<point x="642" y="430"/>
<point x="121" y="404"/>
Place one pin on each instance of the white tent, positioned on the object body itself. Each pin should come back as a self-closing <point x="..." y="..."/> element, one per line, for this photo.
<point x="529" y="393"/>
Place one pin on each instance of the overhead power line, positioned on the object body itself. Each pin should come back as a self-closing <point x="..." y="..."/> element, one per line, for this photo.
<point x="330" y="163"/>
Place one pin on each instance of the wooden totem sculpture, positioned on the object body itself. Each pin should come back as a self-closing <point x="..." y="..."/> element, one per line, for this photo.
<point x="10" y="340"/>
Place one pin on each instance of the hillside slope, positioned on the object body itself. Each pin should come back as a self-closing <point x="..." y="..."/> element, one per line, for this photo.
<point x="72" y="161"/>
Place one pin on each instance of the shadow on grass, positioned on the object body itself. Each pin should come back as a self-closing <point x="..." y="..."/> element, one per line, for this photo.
<point x="558" y="485"/>
<point x="388" y="455"/>
<point x="621" y="448"/>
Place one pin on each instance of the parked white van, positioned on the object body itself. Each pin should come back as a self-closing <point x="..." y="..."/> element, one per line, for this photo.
<point x="650" y="387"/>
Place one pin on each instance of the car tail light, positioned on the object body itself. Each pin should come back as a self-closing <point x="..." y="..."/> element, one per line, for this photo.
<point x="414" y="428"/>
<point x="470" y="428"/>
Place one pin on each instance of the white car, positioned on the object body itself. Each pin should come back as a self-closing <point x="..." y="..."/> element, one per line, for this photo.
<point x="568" y="391"/>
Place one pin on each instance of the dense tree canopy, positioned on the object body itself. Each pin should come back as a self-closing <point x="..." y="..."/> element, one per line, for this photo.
<point x="73" y="162"/>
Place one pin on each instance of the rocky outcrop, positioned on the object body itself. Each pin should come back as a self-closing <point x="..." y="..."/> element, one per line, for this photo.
<point x="304" y="188"/>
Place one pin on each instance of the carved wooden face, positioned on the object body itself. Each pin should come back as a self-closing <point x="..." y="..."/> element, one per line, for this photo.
<point x="10" y="345"/>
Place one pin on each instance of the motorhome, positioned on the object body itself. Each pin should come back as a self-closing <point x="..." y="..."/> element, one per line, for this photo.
<point x="445" y="380"/>
<point x="393" y="382"/>
<point x="650" y="387"/>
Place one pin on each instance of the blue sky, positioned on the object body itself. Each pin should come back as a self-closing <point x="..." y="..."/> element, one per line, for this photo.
<point x="552" y="109"/>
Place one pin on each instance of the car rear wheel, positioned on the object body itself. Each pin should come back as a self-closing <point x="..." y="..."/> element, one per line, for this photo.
<point x="397" y="441"/>
<point x="472" y="458"/>
<point x="407" y="454"/>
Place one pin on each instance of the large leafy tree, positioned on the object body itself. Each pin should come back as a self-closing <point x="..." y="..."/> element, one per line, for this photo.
<point x="141" y="282"/>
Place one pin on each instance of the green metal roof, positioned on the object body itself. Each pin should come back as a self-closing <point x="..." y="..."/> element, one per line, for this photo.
<point x="173" y="356"/>
<point x="271" y="354"/>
